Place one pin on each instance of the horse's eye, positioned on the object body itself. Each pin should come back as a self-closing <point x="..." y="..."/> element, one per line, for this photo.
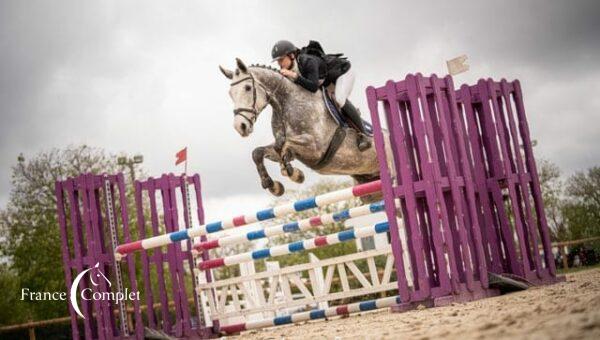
<point x="248" y="88"/>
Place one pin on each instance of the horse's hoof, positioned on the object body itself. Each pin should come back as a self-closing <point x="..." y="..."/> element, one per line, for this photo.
<point x="267" y="183"/>
<point x="277" y="189"/>
<point x="297" y="176"/>
<point x="284" y="172"/>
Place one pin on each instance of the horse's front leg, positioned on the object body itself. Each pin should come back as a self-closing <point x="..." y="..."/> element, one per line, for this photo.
<point x="258" y="156"/>
<point x="295" y="174"/>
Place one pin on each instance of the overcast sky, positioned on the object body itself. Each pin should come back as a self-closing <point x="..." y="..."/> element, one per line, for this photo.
<point x="142" y="77"/>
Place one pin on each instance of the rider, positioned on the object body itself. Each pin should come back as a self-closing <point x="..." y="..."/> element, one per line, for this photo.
<point x="312" y="72"/>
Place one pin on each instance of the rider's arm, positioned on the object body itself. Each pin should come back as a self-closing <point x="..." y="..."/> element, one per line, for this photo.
<point x="309" y="79"/>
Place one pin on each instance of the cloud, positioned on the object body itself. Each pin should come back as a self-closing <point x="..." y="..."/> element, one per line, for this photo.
<point x="141" y="77"/>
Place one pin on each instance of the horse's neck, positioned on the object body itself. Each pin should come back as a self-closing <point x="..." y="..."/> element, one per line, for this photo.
<point x="298" y="109"/>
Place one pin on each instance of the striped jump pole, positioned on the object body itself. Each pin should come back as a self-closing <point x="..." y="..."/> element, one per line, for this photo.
<point x="293" y="247"/>
<point x="291" y="227"/>
<point x="314" y="314"/>
<point x="262" y="215"/>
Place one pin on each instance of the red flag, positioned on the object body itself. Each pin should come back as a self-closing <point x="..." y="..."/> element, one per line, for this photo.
<point x="181" y="156"/>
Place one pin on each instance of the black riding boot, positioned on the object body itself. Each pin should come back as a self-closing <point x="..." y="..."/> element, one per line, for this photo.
<point x="350" y="111"/>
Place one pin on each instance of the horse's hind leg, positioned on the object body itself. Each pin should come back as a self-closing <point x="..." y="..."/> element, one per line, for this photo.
<point x="295" y="174"/>
<point x="258" y="155"/>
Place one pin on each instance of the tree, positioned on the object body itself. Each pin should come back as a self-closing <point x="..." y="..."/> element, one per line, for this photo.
<point x="29" y="228"/>
<point x="583" y="208"/>
<point x="553" y="196"/>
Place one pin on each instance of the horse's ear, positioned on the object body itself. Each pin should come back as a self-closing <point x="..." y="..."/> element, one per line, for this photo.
<point x="241" y="65"/>
<point x="226" y="73"/>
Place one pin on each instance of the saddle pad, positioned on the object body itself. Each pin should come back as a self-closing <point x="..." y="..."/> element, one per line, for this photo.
<point x="339" y="117"/>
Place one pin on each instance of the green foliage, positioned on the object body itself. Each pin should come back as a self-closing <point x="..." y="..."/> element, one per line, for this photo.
<point x="29" y="228"/>
<point x="572" y="206"/>
<point x="582" y="210"/>
<point x="552" y="193"/>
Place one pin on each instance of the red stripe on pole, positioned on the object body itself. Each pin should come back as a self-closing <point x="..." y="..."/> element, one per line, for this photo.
<point x="342" y="310"/>
<point x="321" y="241"/>
<point x="240" y="220"/>
<point x="315" y="221"/>
<point x="207" y="245"/>
<point x="214" y="263"/>
<point x="367" y="188"/>
<point x="129" y="247"/>
<point x="233" y="328"/>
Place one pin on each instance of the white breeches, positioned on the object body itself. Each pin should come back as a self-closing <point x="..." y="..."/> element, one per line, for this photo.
<point x="343" y="87"/>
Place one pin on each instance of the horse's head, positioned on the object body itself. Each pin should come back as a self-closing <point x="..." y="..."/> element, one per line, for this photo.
<point x="249" y="97"/>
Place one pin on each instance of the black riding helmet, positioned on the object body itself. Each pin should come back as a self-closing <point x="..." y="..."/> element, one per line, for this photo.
<point x="282" y="48"/>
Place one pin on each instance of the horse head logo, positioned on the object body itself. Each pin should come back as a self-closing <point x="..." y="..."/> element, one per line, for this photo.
<point x="95" y="276"/>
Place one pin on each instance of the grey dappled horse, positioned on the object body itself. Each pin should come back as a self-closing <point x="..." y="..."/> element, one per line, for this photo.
<point x="301" y="125"/>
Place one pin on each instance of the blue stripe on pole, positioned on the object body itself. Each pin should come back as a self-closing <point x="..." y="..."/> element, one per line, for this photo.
<point x="381" y="227"/>
<point x="368" y="305"/>
<point x="346" y="235"/>
<point x="305" y="204"/>
<point x="179" y="236"/>
<point x="377" y="207"/>
<point x="342" y="215"/>
<point x="291" y="227"/>
<point x="317" y="314"/>
<point x="259" y="254"/>
<point x="266" y="214"/>
<point x="296" y="246"/>
<point x="253" y="235"/>
<point x="214" y="227"/>
<point x="282" y="320"/>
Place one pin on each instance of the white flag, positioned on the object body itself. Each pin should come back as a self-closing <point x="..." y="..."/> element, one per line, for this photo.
<point x="457" y="65"/>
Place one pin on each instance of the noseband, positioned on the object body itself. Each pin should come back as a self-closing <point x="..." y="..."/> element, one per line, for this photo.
<point x="253" y="110"/>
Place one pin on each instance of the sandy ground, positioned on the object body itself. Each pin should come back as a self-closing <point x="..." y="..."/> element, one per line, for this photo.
<point x="568" y="310"/>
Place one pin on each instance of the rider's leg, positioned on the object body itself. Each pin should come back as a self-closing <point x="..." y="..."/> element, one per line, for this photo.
<point x="343" y="87"/>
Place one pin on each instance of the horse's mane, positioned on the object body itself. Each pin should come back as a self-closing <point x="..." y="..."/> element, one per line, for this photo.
<point x="265" y="67"/>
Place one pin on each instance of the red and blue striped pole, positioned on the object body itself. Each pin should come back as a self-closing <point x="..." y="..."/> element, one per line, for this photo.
<point x="291" y="227"/>
<point x="262" y="215"/>
<point x="293" y="247"/>
<point x="314" y="314"/>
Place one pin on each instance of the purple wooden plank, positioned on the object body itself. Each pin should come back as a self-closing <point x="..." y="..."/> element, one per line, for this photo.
<point x="524" y="185"/>
<point x="484" y="211"/>
<point x="172" y="256"/>
<point x="181" y="298"/>
<point x="104" y="329"/>
<point x="497" y="174"/>
<point x="66" y="253"/>
<point x="471" y="217"/>
<point x="537" y="195"/>
<point x="158" y="258"/>
<point x="414" y="161"/>
<point x="388" y="196"/>
<point x="78" y="243"/>
<point x="93" y="189"/>
<point x="507" y="180"/>
<point x="145" y="260"/>
<point x="437" y="207"/>
<point x="456" y="217"/>
<point x="404" y="177"/>
<point x="131" y="265"/>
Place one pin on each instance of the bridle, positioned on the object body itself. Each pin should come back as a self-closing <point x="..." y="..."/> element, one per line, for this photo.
<point x="253" y="110"/>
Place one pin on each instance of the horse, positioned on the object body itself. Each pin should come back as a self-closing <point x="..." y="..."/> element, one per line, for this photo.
<point x="301" y="124"/>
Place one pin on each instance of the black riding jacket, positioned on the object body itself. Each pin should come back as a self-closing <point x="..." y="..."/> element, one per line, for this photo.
<point x="311" y="69"/>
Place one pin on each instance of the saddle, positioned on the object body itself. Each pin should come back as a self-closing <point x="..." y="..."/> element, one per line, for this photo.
<point x="343" y="123"/>
<point x="339" y="118"/>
